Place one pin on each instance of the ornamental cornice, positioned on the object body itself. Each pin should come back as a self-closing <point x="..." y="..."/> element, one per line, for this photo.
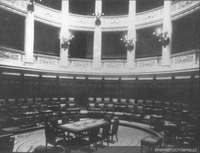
<point x="109" y="23"/>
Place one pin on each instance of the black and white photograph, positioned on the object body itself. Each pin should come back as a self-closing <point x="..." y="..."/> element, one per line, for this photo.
<point x="99" y="76"/>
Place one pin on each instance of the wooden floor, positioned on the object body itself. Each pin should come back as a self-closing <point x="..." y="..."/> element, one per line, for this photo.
<point x="129" y="142"/>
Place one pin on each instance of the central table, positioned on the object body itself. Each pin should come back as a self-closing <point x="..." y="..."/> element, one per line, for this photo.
<point x="82" y="126"/>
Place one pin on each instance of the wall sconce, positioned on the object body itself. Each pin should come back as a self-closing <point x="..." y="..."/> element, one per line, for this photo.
<point x="128" y="43"/>
<point x="98" y="16"/>
<point x="65" y="42"/>
<point x="31" y="5"/>
<point x="163" y="37"/>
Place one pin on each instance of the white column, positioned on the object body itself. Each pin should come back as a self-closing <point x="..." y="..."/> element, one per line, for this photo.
<point x="64" y="32"/>
<point x="97" y="38"/>
<point x="29" y="37"/>
<point x="167" y="27"/>
<point x="131" y="33"/>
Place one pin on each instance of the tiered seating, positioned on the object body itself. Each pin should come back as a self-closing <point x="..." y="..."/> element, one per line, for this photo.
<point x="25" y="111"/>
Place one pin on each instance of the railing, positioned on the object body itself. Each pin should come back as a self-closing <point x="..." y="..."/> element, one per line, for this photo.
<point x="80" y="63"/>
<point x="9" y="54"/>
<point x="179" y="61"/>
<point x="46" y="60"/>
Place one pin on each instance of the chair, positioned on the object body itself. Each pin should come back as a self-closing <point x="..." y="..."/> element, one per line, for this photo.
<point x="30" y="101"/>
<point x="175" y="106"/>
<point x="108" y="118"/>
<point x="46" y="100"/>
<point x="76" y="118"/>
<point x="105" y="134"/>
<point x="148" y="107"/>
<point x="129" y="112"/>
<point x="168" y="115"/>
<point x="98" y="100"/>
<point x="63" y="100"/>
<point x="101" y="106"/>
<point x="110" y="108"/>
<point x="63" y="109"/>
<point x="71" y="105"/>
<point x="157" y="104"/>
<point x="106" y="100"/>
<point x="12" y="102"/>
<point x="123" y="102"/>
<point x="71" y="99"/>
<point x="115" y="101"/>
<point x="34" y="108"/>
<point x="114" y="130"/>
<point x="91" y="105"/>
<point x="38" y="101"/>
<point x="131" y="102"/>
<point x="55" y="100"/>
<point x="21" y="102"/>
<point x="92" y="138"/>
<point x="138" y="113"/>
<point x="56" y="110"/>
<point x="170" y="131"/>
<point x="156" y="119"/>
<point x="91" y="99"/>
<point x="167" y="105"/>
<point x="15" y="115"/>
<point x="46" y="114"/>
<point x="140" y="102"/>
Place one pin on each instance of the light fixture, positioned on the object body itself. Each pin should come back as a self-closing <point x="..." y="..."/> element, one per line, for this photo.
<point x="98" y="16"/>
<point x="31" y="5"/>
<point x="163" y="37"/>
<point x="128" y="43"/>
<point x="65" y="42"/>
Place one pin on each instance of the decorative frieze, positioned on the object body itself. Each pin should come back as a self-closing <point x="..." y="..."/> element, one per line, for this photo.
<point x="9" y="55"/>
<point x="114" y="21"/>
<point x="181" y="5"/>
<point x="149" y="63"/>
<point x="184" y="59"/>
<point x="150" y="15"/>
<point x="48" y="14"/>
<point x="81" y="20"/>
<point x="113" y="64"/>
<point x="85" y="64"/>
<point x="47" y="61"/>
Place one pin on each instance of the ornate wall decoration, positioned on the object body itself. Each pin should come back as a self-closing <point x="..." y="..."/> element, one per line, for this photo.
<point x="180" y="5"/>
<point x="81" y="20"/>
<point x="113" y="64"/>
<point x="148" y="63"/>
<point x="115" y="21"/>
<point x="80" y="64"/>
<point x="48" y="14"/>
<point x="184" y="59"/>
<point x="9" y="55"/>
<point x="150" y="15"/>
<point x="48" y="61"/>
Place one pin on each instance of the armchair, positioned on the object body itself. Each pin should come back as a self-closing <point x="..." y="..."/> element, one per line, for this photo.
<point x="129" y="112"/>
<point x="138" y="113"/>
<point x="148" y="107"/>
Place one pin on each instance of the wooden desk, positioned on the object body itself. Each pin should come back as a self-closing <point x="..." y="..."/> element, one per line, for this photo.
<point x="82" y="126"/>
<point x="29" y="114"/>
<point x="73" y="110"/>
<point x="151" y="142"/>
